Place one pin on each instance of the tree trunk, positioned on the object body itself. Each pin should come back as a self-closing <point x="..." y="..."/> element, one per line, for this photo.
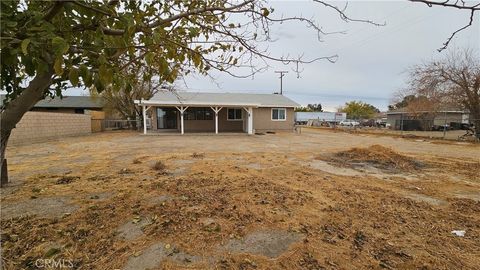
<point x="475" y="114"/>
<point x="15" y="110"/>
<point x="4" y="171"/>
<point x="476" y="122"/>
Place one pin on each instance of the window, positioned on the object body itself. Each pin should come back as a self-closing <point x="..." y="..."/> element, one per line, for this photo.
<point x="198" y="114"/>
<point x="189" y="114"/>
<point x="279" y="114"/>
<point x="234" y="114"/>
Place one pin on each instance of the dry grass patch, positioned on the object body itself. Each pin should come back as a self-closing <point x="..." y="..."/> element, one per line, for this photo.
<point x="66" y="179"/>
<point x="159" y="166"/>
<point x="198" y="155"/>
<point x="377" y="156"/>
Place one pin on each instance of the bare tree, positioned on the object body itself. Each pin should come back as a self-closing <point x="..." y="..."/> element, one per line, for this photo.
<point x="453" y="80"/>
<point x="120" y="99"/>
<point x="470" y="6"/>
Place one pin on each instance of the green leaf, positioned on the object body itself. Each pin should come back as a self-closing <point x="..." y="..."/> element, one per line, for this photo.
<point x="87" y="79"/>
<point x="29" y="65"/>
<point x="105" y="75"/>
<point x="98" y="85"/>
<point x="40" y="66"/>
<point x="83" y="70"/>
<point x="102" y="60"/>
<point x="73" y="76"/>
<point x="197" y="59"/>
<point x="163" y="66"/>
<point x="58" y="66"/>
<point x="25" y="43"/>
<point x="60" y="46"/>
<point x="149" y="57"/>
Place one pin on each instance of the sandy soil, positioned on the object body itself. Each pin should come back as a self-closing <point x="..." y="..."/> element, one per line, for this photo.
<point x="275" y="201"/>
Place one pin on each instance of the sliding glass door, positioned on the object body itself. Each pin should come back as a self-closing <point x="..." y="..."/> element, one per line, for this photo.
<point x="166" y="118"/>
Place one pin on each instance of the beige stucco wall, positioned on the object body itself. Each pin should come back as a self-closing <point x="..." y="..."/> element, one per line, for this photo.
<point x="224" y="125"/>
<point x="42" y="126"/>
<point x="262" y="120"/>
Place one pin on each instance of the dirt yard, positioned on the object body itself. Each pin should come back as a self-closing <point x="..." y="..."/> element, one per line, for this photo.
<point x="318" y="200"/>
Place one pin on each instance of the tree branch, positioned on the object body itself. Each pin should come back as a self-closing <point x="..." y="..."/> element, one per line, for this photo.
<point x="447" y="3"/>
<point x="116" y="32"/>
<point x="445" y="44"/>
<point x="462" y="5"/>
<point x="57" y="6"/>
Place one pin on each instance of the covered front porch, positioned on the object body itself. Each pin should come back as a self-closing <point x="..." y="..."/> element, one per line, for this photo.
<point x="197" y="118"/>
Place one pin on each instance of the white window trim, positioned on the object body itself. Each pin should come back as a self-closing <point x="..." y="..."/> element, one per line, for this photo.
<point x="271" y="114"/>
<point x="241" y="114"/>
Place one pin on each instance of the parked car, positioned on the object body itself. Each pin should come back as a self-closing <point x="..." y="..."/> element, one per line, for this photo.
<point x="349" y="122"/>
<point x="368" y="123"/>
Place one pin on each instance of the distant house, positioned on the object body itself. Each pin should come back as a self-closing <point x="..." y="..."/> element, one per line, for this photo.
<point x="68" y="104"/>
<point x="426" y="120"/>
<point x="218" y="112"/>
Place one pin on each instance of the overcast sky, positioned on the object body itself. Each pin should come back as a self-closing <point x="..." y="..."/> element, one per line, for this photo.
<point x="371" y="62"/>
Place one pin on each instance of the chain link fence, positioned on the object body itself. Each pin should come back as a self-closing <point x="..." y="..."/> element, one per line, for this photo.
<point x="438" y="127"/>
<point x="118" y="124"/>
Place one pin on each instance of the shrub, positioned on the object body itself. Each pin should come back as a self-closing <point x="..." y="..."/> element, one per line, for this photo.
<point x="159" y="166"/>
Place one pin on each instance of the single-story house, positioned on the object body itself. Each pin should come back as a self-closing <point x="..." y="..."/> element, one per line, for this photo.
<point x="426" y="120"/>
<point x="218" y="112"/>
<point x="68" y="104"/>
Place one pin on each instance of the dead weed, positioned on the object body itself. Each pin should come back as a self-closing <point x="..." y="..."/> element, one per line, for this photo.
<point x="159" y="166"/>
<point x="377" y="156"/>
<point x="198" y="155"/>
<point x="66" y="179"/>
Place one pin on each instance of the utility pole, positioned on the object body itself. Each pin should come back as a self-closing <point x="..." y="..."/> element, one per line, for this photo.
<point x="282" y="73"/>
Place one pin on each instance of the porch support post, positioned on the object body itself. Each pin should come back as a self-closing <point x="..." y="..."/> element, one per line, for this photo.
<point x="249" y="111"/>
<point x="216" y="110"/>
<point x="216" y="123"/>
<point x="182" y="110"/>
<point x="144" y="119"/>
<point x="250" y="120"/>
<point x="181" y="121"/>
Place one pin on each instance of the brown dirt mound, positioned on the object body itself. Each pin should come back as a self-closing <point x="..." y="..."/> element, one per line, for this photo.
<point x="377" y="156"/>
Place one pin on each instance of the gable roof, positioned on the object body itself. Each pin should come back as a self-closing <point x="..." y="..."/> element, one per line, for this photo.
<point x="86" y="102"/>
<point x="219" y="99"/>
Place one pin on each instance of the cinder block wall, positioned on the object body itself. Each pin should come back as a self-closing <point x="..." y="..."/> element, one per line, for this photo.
<point x="42" y="126"/>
